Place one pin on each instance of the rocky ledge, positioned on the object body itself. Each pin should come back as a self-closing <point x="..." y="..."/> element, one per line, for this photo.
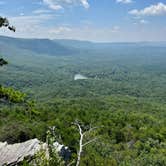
<point x="16" y="153"/>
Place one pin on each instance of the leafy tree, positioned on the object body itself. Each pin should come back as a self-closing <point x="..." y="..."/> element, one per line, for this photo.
<point x="3" y="62"/>
<point x="8" y="93"/>
<point x="5" y="23"/>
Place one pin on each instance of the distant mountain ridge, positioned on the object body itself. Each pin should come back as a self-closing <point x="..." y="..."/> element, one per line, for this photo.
<point x="62" y="47"/>
<point x="38" y="46"/>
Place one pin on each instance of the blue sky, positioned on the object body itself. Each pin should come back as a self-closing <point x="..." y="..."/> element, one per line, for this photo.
<point x="94" y="20"/>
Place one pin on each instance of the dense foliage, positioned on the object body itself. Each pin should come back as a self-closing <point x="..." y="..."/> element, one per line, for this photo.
<point x="9" y="94"/>
<point x="124" y="96"/>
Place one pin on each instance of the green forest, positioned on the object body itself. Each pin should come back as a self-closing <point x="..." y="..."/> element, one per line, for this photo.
<point x="123" y="96"/>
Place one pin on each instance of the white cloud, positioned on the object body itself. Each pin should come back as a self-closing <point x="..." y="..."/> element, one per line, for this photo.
<point x="35" y="27"/>
<point x="53" y="4"/>
<point x="85" y="3"/>
<point x="22" y="20"/>
<point x="41" y="11"/>
<point x="28" y="26"/>
<point x="143" y="21"/>
<point x="59" y="30"/>
<point x="34" y="30"/>
<point x="60" y="4"/>
<point x="115" y="29"/>
<point x="153" y="10"/>
<point x="124" y="1"/>
<point x="22" y="14"/>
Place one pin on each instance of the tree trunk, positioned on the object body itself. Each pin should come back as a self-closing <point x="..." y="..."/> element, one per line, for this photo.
<point x="81" y="145"/>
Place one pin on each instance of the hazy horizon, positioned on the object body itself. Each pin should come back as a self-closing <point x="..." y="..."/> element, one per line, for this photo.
<point x="90" y="41"/>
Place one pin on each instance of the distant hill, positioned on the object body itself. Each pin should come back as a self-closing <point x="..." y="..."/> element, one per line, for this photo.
<point x="76" y="43"/>
<point x="65" y="47"/>
<point x="87" y="45"/>
<point x="37" y="46"/>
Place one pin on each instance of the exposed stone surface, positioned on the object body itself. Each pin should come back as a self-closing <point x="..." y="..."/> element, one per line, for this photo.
<point x="130" y="144"/>
<point x="12" y="154"/>
<point x="62" y="150"/>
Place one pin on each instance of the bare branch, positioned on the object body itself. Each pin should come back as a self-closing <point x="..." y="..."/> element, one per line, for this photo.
<point x="82" y="134"/>
<point x="71" y="163"/>
<point x="92" y="140"/>
<point x="90" y="130"/>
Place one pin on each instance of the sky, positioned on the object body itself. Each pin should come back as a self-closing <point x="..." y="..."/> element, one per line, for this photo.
<point x="93" y="20"/>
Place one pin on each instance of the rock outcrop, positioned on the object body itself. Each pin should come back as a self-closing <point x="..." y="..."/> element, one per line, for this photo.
<point x="13" y="154"/>
<point x="16" y="153"/>
<point x="63" y="151"/>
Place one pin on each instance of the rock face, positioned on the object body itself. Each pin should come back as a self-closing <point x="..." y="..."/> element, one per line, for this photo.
<point x="63" y="151"/>
<point x="13" y="154"/>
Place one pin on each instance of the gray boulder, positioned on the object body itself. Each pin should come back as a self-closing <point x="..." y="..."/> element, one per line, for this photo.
<point x="13" y="154"/>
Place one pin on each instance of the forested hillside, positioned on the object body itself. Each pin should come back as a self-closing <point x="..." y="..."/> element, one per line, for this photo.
<point x="124" y="96"/>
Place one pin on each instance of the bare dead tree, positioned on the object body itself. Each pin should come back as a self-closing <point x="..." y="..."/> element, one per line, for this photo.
<point x="82" y="144"/>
